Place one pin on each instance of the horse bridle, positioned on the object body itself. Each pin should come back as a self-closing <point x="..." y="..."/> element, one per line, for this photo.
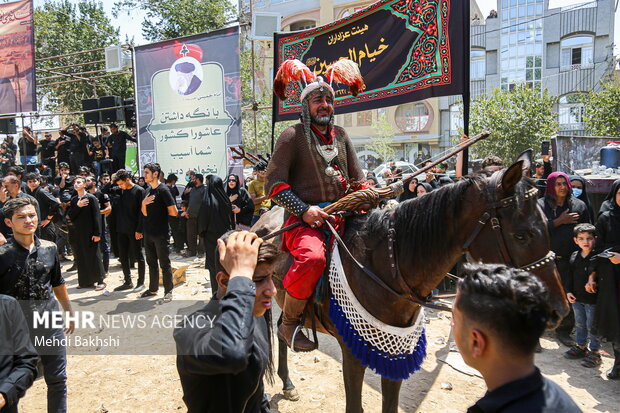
<point x="491" y="215"/>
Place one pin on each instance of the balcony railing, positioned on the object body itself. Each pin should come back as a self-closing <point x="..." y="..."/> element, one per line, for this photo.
<point x="566" y="68"/>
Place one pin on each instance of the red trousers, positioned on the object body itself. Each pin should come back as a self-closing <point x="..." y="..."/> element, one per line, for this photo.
<point x="307" y="246"/>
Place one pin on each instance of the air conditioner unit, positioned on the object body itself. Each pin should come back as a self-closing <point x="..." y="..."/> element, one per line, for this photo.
<point x="265" y="24"/>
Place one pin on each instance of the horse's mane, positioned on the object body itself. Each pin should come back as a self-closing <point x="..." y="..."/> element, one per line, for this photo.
<point x="425" y="221"/>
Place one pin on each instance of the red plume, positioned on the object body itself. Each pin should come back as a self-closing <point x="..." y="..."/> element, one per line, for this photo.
<point x="348" y="72"/>
<point x="290" y="70"/>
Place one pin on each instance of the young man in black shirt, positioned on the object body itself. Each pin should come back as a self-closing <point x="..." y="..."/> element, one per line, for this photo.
<point x="222" y="365"/>
<point x="18" y="358"/>
<point x="498" y="316"/>
<point x="156" y="206"/>
<point x="11" y="188"/>
<point x="129" y="228"/>
<point x="28" y="149"/>
<point x="47" y="150"/>
<point x="177" y="224"/>
<point x="105" y="208"/>
<point x="117" y="144"/>
<point x="48" y="205"/>
<point x="63" y="149"/>
<point x="78" y="145"/>
<point x="30" y="271"/>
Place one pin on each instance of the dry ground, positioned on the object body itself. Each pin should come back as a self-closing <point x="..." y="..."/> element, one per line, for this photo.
<point x="141" y="383"/>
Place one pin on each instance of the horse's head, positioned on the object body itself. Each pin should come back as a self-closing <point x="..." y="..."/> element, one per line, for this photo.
<point x="516" y="233"/>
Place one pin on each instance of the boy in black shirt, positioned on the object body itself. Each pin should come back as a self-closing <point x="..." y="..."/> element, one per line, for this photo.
<point x="30" y="271"/>
<point x="222" y="365"/>
<point x="156" y="206"/>
<point x="47" y="149"/>
<point x="128" y="224"/>
<point x="499" y="314"/>
<point x="99" y="157"/>
<point x="581" y="274"/>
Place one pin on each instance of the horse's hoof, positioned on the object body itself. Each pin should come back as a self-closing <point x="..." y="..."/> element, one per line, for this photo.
<point x="291" y="395"/>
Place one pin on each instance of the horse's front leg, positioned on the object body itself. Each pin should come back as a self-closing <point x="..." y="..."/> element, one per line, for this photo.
<point x="353" y="373"/>
<point x="390" y="391"/>
<point x="288" y="388"/>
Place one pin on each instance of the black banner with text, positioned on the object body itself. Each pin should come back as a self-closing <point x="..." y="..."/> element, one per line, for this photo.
<point x="407" y="50"/>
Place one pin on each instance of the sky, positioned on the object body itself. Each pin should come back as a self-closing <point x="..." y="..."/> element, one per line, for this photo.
<point x="131" y="25"/>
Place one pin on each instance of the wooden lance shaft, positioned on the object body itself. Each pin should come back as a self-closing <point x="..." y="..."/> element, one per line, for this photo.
<point x="369" y="198"/>
<point x="459" y="148"/>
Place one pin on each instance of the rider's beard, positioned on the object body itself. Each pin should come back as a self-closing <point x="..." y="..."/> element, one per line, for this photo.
<point x="322" y="120"/>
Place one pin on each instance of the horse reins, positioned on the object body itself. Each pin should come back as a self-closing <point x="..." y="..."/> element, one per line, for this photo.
<point x="491" y="215"/>
<point x="407" y="293"/>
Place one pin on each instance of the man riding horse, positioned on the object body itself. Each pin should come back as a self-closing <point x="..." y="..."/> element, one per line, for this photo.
<point x="313" y="164"/>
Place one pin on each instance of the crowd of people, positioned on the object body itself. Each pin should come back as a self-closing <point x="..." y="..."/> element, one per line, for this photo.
<point x="94" y="209"/>
<point x="74" y="146"/>
<point x="94" y="215"/>
<point x="587" y="248"/>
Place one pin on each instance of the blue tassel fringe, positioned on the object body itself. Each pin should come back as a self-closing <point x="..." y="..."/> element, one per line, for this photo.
<point x="393" y="367"/>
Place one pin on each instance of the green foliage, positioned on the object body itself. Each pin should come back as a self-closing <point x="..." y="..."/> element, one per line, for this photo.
<point x="517" y="119"/>
<point x="380" y="142"/>
<point x="63" y="27"/>
<point x="168" y="19"/>
<point x="261" y="142"/>
<point x="602" y="110"/>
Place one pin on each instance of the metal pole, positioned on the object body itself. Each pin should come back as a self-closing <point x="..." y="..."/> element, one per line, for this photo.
<point x="94" y="62"/>
<point x="79" y="112"/>
<point x="82" y="80"/>
<point x="254" y="104"/>
<point x="69" y="54"/>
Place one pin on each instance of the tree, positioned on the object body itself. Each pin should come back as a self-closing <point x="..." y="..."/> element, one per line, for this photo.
<point x="380" y="142"/>
<point x="62" y="28"/>
<point x="261" y="143"/>
<point x="168" y="19"/>
<point x="602" y="110"/>
<point x="518" y="119"/>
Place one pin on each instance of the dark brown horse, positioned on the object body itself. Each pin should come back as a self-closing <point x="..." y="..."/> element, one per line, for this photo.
<point x="492" y="219"/>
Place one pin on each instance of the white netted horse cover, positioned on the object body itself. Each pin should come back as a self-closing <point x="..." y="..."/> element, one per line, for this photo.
<point x="389" y="339"/>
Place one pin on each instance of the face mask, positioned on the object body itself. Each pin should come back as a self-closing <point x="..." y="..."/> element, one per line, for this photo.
<point x="577" y="192"/>
<point x="187" y="179"/>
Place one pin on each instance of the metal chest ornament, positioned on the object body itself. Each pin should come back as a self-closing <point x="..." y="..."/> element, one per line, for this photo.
<point x="329" y="153"/>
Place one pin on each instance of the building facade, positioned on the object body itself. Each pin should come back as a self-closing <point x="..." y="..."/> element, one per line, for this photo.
<point x="565" y="50"/>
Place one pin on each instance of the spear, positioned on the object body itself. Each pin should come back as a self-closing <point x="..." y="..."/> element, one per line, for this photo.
<point x="457" y="149"/>
<point x="366" y="199"/>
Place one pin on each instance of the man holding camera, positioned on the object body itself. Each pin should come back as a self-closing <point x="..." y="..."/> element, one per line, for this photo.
<point x="79" y="141"/>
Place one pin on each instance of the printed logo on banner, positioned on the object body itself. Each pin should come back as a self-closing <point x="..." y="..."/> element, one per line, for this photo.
<point x="189" y="113"/>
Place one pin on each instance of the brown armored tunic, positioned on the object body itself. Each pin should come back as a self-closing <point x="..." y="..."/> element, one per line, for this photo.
<point x="297" y="162"/>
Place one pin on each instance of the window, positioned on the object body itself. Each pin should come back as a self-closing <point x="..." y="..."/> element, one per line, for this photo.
<point x="456" y="119"/>
<point x="364" y="118"/>
<point x="521" y="41"/>
<point x="347" y="120"/>
<point x="570" y="113"/>
<point x="302" y="25"/>
<point x="412" y="117"/>
<point x="477" y="65"/>
<point x="577" y="52"/>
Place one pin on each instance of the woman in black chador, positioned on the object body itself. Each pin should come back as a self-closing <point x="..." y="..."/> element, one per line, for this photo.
<point x="84" y="214"/>
<point x="607" y="318"/>
<point x="213" y="221"/>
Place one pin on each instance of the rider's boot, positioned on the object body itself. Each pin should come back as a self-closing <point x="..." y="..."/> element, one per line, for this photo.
<point x="291" y="318"/>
